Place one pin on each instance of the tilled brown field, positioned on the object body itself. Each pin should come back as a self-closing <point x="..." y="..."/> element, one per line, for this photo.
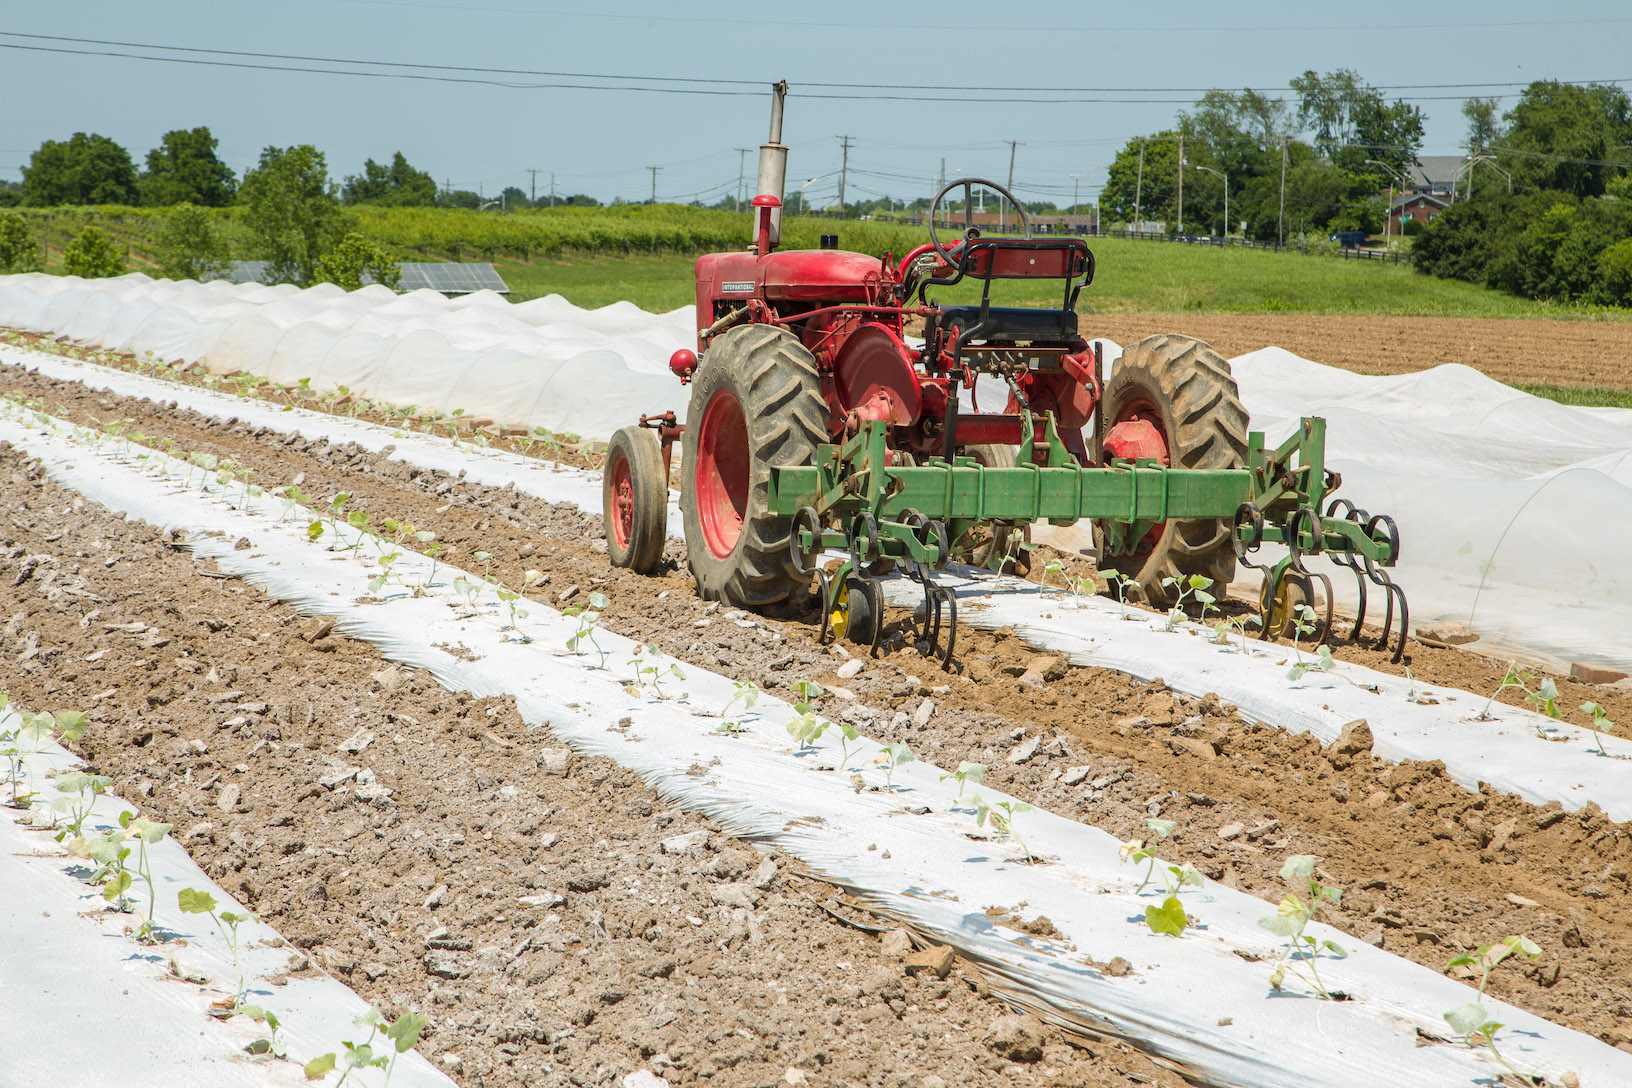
<point x="1431" y="869"/>
<point x="1518" y="351"/>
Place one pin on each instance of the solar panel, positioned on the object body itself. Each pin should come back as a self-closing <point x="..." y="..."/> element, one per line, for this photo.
<point x="450" y="279"/>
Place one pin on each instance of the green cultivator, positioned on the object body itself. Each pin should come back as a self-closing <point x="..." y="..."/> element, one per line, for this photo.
<point x="883" y="516"/>
<point x="815" y="423"/>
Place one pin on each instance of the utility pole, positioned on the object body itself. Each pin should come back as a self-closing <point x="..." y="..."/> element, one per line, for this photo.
<point x="447" y="191"/>
<point x="1004" y="211"/>
<point x="1139" y="185"/>
<point x="1181" y="184"/>
<point x="1280" y="216"/>
<point x="654" y="170"/>
<point x="742" y="153"/>
<point x="533" y="199"/>
<point x="844" y="170"/>
<point x="552" y="188"/>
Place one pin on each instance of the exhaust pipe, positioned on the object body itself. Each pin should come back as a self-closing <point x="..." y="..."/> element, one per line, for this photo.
<point x="773" y="160"/>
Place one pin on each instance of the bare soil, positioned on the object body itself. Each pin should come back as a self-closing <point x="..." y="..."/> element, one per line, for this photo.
<point x="1431" y="869"/>
<point x="1518" y="351"/>
<point x="551" y="925"/>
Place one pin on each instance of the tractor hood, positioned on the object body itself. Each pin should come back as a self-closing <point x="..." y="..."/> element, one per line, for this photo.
<point x="832" y="275"/>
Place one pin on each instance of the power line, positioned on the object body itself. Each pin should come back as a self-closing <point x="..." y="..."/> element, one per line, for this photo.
<point x="694" y="84"/>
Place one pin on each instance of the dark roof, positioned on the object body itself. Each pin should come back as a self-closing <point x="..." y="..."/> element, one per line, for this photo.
<point x="450" y="279"/>
<point x="1405" y="200"/>
<point x="1436" y="172"/>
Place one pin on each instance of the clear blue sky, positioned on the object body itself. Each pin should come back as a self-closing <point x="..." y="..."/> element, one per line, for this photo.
<point x="484" y="137"/>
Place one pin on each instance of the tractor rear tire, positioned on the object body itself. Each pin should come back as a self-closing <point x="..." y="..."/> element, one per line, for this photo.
<point x="635" y="500"/>
<point x="756" y="402"/>
<point x="1004" y="536"/>
<point x="1184" y="388"/>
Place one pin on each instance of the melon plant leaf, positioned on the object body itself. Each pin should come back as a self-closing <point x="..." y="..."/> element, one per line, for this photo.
<point x="1465" y="1019"/>
<point x="193" y="901"/>
<point x="404" y="1031"/>
<point x="1168" y="918"/>
<point x="318" y="1068"/>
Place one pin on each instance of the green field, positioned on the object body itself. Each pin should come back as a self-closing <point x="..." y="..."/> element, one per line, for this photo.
<point x="643" y="254"/>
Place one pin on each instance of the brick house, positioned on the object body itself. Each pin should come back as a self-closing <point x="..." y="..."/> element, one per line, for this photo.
<point x="1419" y="206"/>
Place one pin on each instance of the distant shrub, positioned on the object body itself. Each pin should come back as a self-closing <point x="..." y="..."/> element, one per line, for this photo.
<point x="93" y="255"/>
<point x="190" y="246"/>
<point x="357" y="257"/>
<point x="19" y="252"/>
<point x="1411" y="228"/>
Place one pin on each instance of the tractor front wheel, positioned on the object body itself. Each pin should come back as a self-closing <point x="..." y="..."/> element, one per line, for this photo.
<point x="634" y="500"/>
<point x="1184" y="390"/>
<point x="755" y="403"/>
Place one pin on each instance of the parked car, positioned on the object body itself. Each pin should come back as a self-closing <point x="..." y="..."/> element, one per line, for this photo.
<point x="1350" y="239"/>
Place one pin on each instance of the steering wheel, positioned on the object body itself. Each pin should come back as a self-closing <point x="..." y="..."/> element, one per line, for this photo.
<point x="944" y="252"/>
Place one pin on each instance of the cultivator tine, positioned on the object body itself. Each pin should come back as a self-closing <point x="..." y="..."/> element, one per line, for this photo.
<point x="1294" y="555"/>
<point x="826" y="634"/>
<point x="940" y="603"/>
<point x="1348" y="559"/>
<point x="1391" y="589"/>
<point x="875" y="603"/>
<point x="1249" y="515"/>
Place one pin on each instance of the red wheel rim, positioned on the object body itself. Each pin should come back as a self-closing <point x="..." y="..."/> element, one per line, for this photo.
<point x="721" y="486"/>
<point x="623" y="502"/>
<point x="1143" y="410"/>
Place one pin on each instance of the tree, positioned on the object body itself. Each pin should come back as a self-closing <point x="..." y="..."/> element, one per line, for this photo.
<point x="355" y="259"/>
<point x="1484" y="124"/>
<point x="1155" y="195"/>
<point x="19" y="252"/>
<point x="83" y="170"/>
<point x="292" y="214"/>
<point x="460" y="198"/>
<point x="1231" y="130"/>
<point x="93" y="256"/>
<point x="514" y="198"/>
<point x="398" y="185"/>
<point x="1567" y="137"/>
<point x="11" y="194"/>
<point x="1341" y="110"/>
<point x="184" y="169"/>
<point x="189" y="245"/>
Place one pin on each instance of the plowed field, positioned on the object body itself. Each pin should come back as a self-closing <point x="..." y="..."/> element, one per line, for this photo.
<point x="1528" y="351"/>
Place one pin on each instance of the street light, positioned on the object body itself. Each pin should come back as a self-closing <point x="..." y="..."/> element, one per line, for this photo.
<point x="1226" y="178"/>
<point x="1076" y="190"/>
<point x="1388" y="209"/>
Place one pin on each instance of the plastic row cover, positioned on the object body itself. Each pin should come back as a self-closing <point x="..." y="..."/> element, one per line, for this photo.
<point x="478" y="353"/>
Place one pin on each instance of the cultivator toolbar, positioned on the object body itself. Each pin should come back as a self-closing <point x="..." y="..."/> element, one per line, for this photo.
<point x="884" y="515"/>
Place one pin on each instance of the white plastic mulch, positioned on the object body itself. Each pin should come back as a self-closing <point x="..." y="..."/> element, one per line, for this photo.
<point x="931" y="866"/>
<point x="85" y="1004"/>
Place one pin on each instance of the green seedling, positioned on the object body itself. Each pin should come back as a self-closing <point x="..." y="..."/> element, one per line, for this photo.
<point x="805" y="727"/>
<point x="1293" y="915"/>
<point x="142" y="832"/>
<point x="1600" y="724"/>
<point x="1324" y="663"/>
<point x="510" y="598"/>
<point x="431" y="551"/>
<point x="29" y="737"/>
<point x="650" y="669"/>
<point x="1195" y="588"/>
<point x="1080" y="587"/>
<point x="1238" y="624"/>
<point x="807" y="691"/>
<point x="1137" y="850"/>
<point x="1001" y="817"/>
<point x="193" y="901"/>
<point x="745" y="692"/>
<point x="486" y="559"/>
<point x="848" y="735"/>
<point x="468" y="590"/>
<point x="1116" y="580"/>
<point x="80" y="791"/>
<point x="269" y="1045"/>
<point x="1543" y="697"/>
<point x="1473" y="1021"/>
<point x="966" y="773"/>
<point x="402" y="1033"/>
<point x="731" y="728"/>
<point x="1054" y="566"/>
<point x="586" y="614"/>
<point x="387" y="573"/>
<point x="894" y="756"/>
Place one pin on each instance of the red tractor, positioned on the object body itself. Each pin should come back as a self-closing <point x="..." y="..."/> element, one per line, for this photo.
<point x="817" y="422"/>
